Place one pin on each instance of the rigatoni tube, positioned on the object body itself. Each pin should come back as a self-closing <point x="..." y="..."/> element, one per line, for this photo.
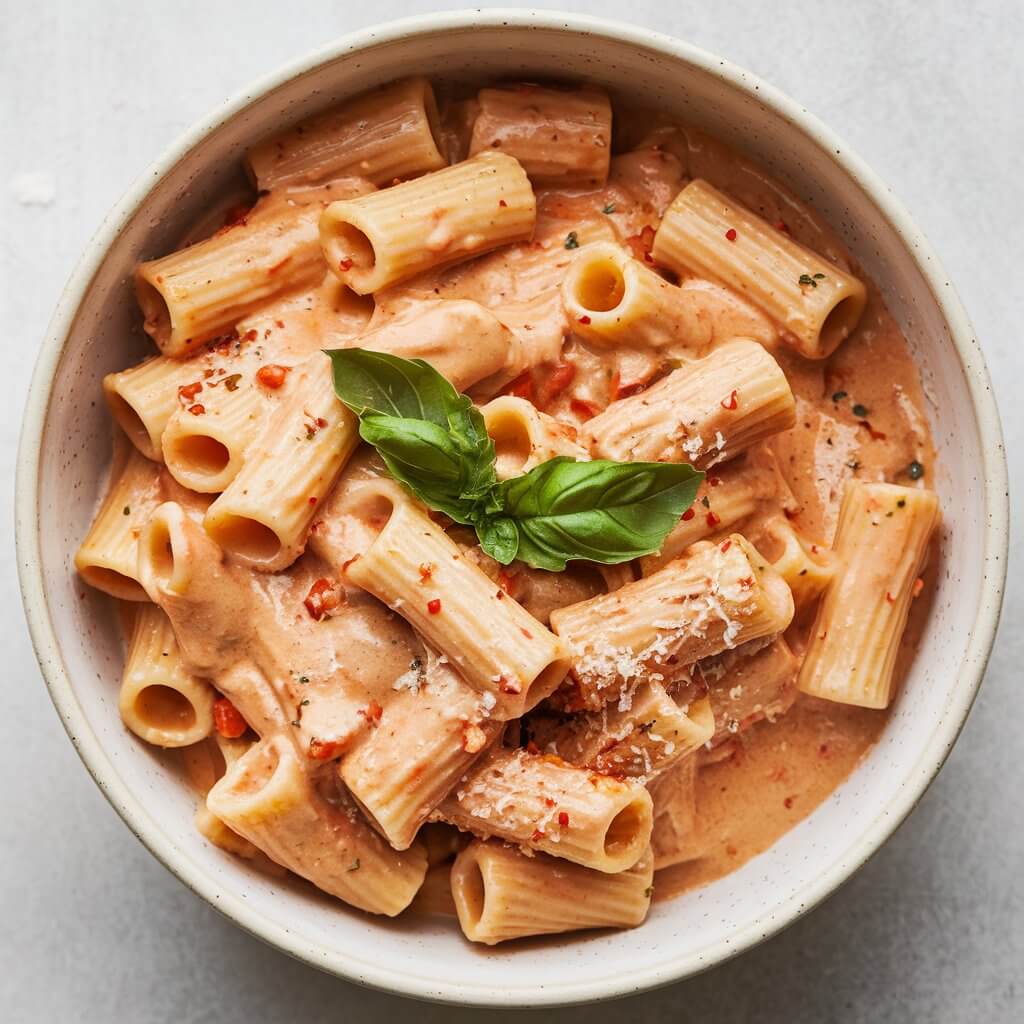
<point x="263" y="515"/>
<point x="612" y="299"/>
<point x="428" y="735"/>
<point x="381" y="135"/>
<point x="160" y="700"/>
<point x="205" y="451"/>
<point x="676" y="836"/>
<point x="808" y="568"/>
<point x="563" y="138"/>
<point x="267" y="797"/>
<point x="415" y="568"/>
<point x="443" y="217"/>
<point x="715" y="597"/>
<point x="108" y="557"/>
<point x="881" y="545"/>
<point x="525" y="437"/>
<point x="500" y="894"/>
<point x="815" y="303"/>
<point x="543" y="803"/>
<point x="703" y="413"/>
<point x="726" y="497"/>
<point x="202" y="291"/>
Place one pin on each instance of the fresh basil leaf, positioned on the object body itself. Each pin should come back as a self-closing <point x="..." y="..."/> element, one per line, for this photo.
<point x="601" y="511"/>
<point x="499" y="537"/>
<point x="423" y="457"/>
<point x="406" y="391"/>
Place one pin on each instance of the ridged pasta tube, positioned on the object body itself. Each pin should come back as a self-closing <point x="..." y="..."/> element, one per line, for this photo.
<point x="746" y="686"/>
<point x="703" y="413"/>
<point x="815" y="303"/>
<point x="641" y="740"/>
<point x="263" y="515"/>
<point x="525" y="437"/>
<point x="541" y="802"/>
<point x="415" y="568"/>
<point x="205" y="452"/>
<point x="676" y="835"/>
<point x="427" y="737"/>
<point x="563" y="138"/>
<point x="500" y="894"/>
<point x="612" y="299"/>
<point x="808" y="568"/>
<point x="267" y="798"/>
<point x="160" y="700"/>
<point x="715" y="597"/>
<point x="381" y="135"/>
<point x="881" y="545"/>
<point x="202" y="291"/>
<point x="444" y="217"/>
<point x="143" y="398"/>
<point x="108" y="557"/>
<point x="732" y="493"/>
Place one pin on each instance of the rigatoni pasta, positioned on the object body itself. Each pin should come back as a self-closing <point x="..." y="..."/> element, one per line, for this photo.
<point x="816" y="303"/>
<point x="881" y="546"/>
<point x="534" y="588"/>
<point x="388" y="133"/>
<point x="450" y="215"/>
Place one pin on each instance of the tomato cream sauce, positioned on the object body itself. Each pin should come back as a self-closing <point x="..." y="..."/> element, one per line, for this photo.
<point x="860" y="414"/>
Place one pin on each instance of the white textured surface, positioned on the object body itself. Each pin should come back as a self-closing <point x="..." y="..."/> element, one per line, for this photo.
<point x="93" y="929"/>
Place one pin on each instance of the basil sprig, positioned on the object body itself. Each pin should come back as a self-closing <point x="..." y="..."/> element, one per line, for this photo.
<point x="433" y="441"/>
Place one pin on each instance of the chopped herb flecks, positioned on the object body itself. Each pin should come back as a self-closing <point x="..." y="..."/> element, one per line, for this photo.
<point x="354" y="866"/>
<point x="609" y="208"/>
<point x="571" y="241"/>
<point x="860" y="411"/>
<point x="915" y="470"/>
<point x="127" y="510"/>
<point x="811" y="280"/>
<point x="838" y="396"/>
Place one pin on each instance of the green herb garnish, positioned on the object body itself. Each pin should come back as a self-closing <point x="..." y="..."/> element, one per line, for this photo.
<point x="860" y="411"/>
<point x="609" y="208"/>
<point x="571" y="241"/>
<point x="433" y="441"/>
<point x="808" y="279"/>
<point x="354" y="866"/>
<point x="838" y="396"/>
<point x="127" y="510"/>
<point x="915" y="470"/>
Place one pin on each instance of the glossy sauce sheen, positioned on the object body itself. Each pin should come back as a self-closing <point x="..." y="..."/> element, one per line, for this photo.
<point x="777" y="772"/>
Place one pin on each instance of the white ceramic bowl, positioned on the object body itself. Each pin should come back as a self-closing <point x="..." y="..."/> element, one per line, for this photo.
<point x="65" y="447"/>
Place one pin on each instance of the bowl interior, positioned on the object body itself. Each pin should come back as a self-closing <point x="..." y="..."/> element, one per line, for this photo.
<point x="422" y="957"/>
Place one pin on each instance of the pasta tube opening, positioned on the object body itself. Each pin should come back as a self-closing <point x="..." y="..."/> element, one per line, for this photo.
<point x="598" y="286"/>
<point x="128" y="419"/>
<point x="245" y="536"/>
<point x="524" y="437"/>
<point x="628" y="831"/>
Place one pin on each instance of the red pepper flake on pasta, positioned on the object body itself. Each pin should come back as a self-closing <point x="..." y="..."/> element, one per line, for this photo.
<point x="584" y="319"/>
<point x="426" y="571"/>
<point x="689" y="514"/>
<point x="272" y="375"/>
<point x="563" y="819"/>
<point x="502" y="203"/>
<point x="325" y="750"/>
<point x="730" y="403"/>
<point x="781" y="225"/>
<point x="250" y="335"/>
<point x="227" y="719"/>
<point x="788" y="803"/>
<point x="434" y="606"/>
<point x="726" y="544"/>
<point x="712" y="519"/>
<point x="537" y="836"/>
<point x="198" y="409"/>
<point x="372" y="712"/>
<point x="509" y="687"/>
<point x="747" y="582"/>
<point x="731" y="234"/>
<point x="634" y="387"/>
<point x="323" y="598"/>
<point x="918" y="587"/>
<point x="188" y="392"/>
<point x="890" y="598"/>
<point x="345" y="264"/>
<point x="312" y="499"/>
<point x="642" y="243"/>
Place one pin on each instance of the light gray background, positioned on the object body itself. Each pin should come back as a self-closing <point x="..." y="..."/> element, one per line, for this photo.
<point x="93" y="929"/>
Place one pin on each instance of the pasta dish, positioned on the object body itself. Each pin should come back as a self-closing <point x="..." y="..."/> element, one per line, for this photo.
<point x="526" y="513"/>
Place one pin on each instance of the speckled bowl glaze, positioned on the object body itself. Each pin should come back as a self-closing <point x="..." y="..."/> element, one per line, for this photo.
<point x="65" y="448"/>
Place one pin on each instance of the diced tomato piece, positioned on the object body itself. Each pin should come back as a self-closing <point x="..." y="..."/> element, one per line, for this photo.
<point x="227" y="719"/>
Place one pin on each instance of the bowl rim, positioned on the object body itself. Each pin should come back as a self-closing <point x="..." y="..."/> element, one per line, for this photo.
<point x="367" y="972"/>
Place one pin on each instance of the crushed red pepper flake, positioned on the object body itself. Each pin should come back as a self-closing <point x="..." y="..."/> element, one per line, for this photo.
<point x="345" y="264"/>
<point x="188" y="392"/>
<point x="323" y="598"/>
<point x="198" y="409"/>
<point x="712" y="519"/>
<point x="272" y="375"/>
<point x="731" y="402"/>
<point x="563" y="819"/>
<point x="434" y="606"/>
<point x="726" y="544"/>
<point x="731" y="234"/>
<point x="426" y="571"/>
<point x="689" y="514"/>
<point x="918" y="587"/>
<point x="324" y="750"/>
<point x="584" y="319"/>
<point x="227" y="719"/>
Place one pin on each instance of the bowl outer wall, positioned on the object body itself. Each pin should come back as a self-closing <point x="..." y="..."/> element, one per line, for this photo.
<point x="426" y="961"/>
